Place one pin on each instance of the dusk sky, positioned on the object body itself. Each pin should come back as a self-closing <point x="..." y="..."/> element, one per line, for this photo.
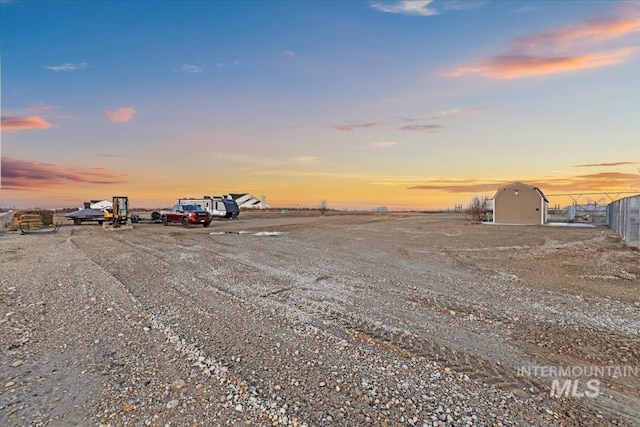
<point x="404" y="104"/>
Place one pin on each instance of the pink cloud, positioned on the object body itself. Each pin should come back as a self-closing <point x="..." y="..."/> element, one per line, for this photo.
<point x="523" y="65"/>
<point x="41" y="107"/>
<point x="15" y="123"/>
<point x="354" y="126"/>
<point x="428" y="128"/>
<point x="47" y="111"/>
<point x="597" y="30"/>
<point x="288" y="53"/>
<point x="563" y="50"/>
<point x="26" y="174"/>
<point x="592" y="165"/>
<point x="121" y="114"/>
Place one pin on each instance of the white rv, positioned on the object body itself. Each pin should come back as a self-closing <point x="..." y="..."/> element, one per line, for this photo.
<point x="219" y="206"/>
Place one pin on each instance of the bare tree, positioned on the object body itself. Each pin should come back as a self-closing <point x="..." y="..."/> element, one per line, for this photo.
<point x="478" y="210"/>
<point x="323" y="207"/>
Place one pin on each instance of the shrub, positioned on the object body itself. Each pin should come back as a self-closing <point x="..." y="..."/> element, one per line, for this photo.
<point x="478" y="210"/>
<point x="322" y="207"/>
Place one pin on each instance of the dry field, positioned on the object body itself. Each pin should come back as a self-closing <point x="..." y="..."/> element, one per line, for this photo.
<point x="347" y="319"/>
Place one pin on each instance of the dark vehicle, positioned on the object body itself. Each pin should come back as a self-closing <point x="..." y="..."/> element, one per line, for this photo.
<point x="186" y="215"/>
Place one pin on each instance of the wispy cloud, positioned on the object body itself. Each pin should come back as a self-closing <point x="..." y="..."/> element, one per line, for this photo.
<point x="425" y="7"/>
<point x="395" y="121"/>
<point x="37" y="116"/>
<point x="450" y="112"/>
<point x="227" y="64"/>
<point x="378" y="145"/>
<point x="457" y="112"/>
<point x="592" y="165"/>
<point x="525" y="9"/>
<point x="407" y="119"/>
<point x="354" y="126"/>
<point x="444" y="114"/>
<point x="299" y="127"/>
<point x="121" y="114"/>
<point x="41" y="107"/>
<point x="605" y="181"/>
<point x="68" y="66"/>
<point x="516" y="66"/>
<point x="288" y="53"/>
<point x="250" y="164"/>
<point x="427" y="128"/>
<point x="47" y="111"/>
<point x="563" y="50"/>
<point x="406" y="7"/>
<point x="25" y="174"/>
<point x="592" y="31"/>
<point x="16" y="123"/>
<point x="192" y="68"/>
<point x="303" y="160"/>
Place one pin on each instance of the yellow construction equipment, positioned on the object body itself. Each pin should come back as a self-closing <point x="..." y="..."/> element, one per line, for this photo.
<point x="116" y="217"/>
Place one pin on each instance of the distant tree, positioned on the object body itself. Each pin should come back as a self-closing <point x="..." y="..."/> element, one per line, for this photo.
<point x="323" y="206"/>
<point x="478" y="210"/>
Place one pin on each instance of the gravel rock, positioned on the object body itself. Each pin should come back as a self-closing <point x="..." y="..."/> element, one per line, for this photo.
<point x="350" y="319"/>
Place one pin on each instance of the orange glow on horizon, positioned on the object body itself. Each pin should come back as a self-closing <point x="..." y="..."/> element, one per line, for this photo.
<point x="307" y="192"/>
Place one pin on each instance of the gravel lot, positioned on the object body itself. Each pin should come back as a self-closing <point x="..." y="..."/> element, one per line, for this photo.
<point x="298" y="319"/>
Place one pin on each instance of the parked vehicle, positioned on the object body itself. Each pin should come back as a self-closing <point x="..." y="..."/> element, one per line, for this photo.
<point x="118" y="213"/>
<point x="217" y="206"/>
<point x="103" y="211"/>
<point x="186" y="215"/>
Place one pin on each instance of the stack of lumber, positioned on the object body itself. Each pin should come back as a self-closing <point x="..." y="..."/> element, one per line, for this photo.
<point x="27" y="220"/>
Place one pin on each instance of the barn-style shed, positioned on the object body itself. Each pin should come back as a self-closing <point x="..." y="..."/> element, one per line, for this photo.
<point x="520" y="203"/>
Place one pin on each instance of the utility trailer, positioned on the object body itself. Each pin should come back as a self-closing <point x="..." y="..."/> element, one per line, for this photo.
<point x="155" y="218"/>
<point x="217" y="206"/>
<point x="85" y="215"/>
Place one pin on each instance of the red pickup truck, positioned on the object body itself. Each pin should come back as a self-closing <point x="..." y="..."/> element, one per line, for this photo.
<point x="186" y="215"/>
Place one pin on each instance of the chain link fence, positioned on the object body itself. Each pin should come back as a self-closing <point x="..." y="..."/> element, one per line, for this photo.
<point x="623" y="216"/>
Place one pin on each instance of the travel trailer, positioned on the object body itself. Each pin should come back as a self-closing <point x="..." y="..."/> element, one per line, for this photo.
<point x="217" y="206"/>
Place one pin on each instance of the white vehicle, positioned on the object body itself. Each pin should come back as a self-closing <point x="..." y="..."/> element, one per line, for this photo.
<point x="217" y="206"/>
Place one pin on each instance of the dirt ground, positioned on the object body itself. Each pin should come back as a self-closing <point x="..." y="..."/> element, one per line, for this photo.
<point x="292" y="318"/>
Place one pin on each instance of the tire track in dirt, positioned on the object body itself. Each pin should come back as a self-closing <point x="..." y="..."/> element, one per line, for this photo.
<point x="389" y="338"/>
<point x="192" y="297"/>
<point x="267" y="412"/>
<point x="383" y="336"/>
<point x="439" y="350"/>
<point x="504" y="375"/>
<point x="184" y="290"/>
